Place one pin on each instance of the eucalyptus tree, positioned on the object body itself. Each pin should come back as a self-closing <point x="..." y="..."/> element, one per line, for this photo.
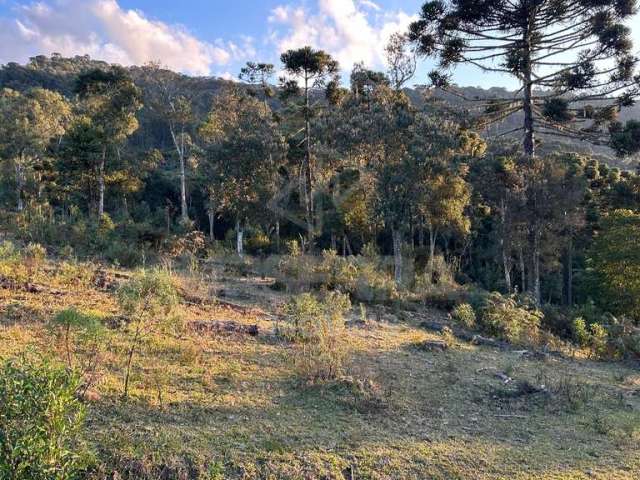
<point x="572" y="58"/>
<point x="311" y="68"/>
<point x="168" y="99"/>
<point x="29" y="122"/>
<point x="110" y="100"/>
<point x="243" y="150"/>
<point x="401" y="60"/>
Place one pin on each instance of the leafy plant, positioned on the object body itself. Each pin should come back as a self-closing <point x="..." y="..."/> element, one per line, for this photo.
<point x="81" y="336"/>
<point x="40" y="422"/>
<point x="318" y="329"/>
<point x="145" y="299"/>
<point x="465" y="315"/>
<point x="505" y="317"/>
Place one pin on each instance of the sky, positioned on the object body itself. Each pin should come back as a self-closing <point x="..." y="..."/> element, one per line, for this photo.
<point x="214" y="37"/>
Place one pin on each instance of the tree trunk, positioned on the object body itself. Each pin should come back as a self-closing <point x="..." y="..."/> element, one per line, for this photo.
<point x="183" y="183"/>
<point x="568" y="275"/>
<point x="334" y="242"/>
<point x="239" y="238"/>
<point x="506" y="264"/>
<point x="101" y="183"/>
<point x="277" y="236"/>
<point x="535" y="269"/>
<point x="307" y="159"/>
<point x="523" y="272"/>
<point x="397" y="255"/>
<point x="212" y="225"/>
<point x="529" y="134"/>
<point x="179" y="146"/>
<point x="20" y="182"/>
<point x="433" y="234"/>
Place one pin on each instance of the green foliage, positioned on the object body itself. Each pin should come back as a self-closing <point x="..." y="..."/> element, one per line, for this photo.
<point x="40" y="422"/>
<point x="506" y="318"/>
<point x="81" y="337"/>
<point x="317" y="326"/>
<point x="148" y="294"/>
<point x="615" y="264"/>
<point x="146" y="299"/>
<point x="464" y="315"/>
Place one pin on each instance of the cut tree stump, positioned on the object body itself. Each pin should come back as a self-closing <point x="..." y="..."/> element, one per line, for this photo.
<point x="224" y="326"/>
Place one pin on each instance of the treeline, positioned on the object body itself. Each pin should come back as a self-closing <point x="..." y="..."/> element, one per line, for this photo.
<point x="122" y="163"/>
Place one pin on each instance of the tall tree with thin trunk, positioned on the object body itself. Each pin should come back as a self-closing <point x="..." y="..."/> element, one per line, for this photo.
<point x="572" y="58"/>
<point x="243" y="150"/>
<point x="166" y="97"/>
<point x="111" y="100"/>
<point x="28" y="124"/>
<point x="311" y="68"/>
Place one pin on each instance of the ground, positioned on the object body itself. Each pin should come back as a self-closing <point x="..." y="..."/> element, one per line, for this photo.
<point x="230" y="405"/>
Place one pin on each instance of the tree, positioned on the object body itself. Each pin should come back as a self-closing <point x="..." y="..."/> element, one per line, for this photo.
<point x="164" y="97"/>
<point x="110" y="101"/>
<point x="615" y="263"/>
<point x="311" y="67"/>
<point x="572" y="58"/>
<point x="28" y="124"/>
<point x="243" y="152"/>
<point x="401" y="63"/>
<point x="144" y="299"/>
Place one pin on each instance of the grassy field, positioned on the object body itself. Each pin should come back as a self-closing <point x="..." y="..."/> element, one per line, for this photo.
<point x="219" y="406"/>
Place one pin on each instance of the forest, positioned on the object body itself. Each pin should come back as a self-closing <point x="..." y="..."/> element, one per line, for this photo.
<point x="179" y="253"/>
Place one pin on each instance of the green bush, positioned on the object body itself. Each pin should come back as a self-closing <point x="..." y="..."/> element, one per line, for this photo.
<point x="317" y="327"/>
<point x="465" y="315"/>
<point x="145" y="299"/>
<point x="506" y="318"/>
<point x="81" y="338"/>
<point x="40" y="422"/>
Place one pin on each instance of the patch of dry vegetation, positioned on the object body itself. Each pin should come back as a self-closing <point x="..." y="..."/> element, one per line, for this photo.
<point x="207" y="404"/>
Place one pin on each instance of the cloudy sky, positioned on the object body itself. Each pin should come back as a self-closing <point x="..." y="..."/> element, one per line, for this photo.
<point x="209" y="37"/>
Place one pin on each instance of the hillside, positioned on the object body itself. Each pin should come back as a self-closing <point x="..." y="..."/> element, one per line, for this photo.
<point x="230" y="405"/>
<point x="59" y="74"/>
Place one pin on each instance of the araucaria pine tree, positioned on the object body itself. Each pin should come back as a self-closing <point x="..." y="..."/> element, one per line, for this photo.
<point x="573" y="59"/>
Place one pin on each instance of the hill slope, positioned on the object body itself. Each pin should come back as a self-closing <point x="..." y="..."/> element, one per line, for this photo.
<point x="230" y="405"/>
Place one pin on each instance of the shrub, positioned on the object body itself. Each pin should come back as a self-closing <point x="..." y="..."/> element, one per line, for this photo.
<point x="465" y="315"/>
<point x="34" y="255"/>
<point x="40" y="422"/>
<point x="580" y="332"/>
<point x="318" y="329"/>
<point x="11" y="265"/>
<point x="506" y="318"/>
<point x="81" y="337"/>
<point x="146" y="299"/>
<point x="123" y="254"/>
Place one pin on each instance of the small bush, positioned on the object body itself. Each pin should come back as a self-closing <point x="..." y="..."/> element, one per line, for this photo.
<point x="318" y="329"/>
<point x="506" y="318"/>
<point x="40" y="422"/>
<point x="464" y="315"/>
<point x="146" y="299"/>
<point x="80" y="336"/>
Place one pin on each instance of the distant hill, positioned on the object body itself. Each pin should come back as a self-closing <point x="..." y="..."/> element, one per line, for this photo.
<point x="59" y="73"/>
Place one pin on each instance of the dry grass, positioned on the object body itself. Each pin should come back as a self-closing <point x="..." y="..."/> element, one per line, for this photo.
<point x="229" y="406"/>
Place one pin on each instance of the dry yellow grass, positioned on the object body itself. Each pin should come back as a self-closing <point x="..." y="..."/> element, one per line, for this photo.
<point x="230" y="406"/>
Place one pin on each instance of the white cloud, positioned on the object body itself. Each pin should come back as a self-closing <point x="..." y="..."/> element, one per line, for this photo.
<point x="350" y="32"/>
<point x="106" y="31"/>
<point x="371" y="5"/>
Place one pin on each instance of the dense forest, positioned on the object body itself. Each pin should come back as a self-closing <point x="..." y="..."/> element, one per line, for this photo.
<point x="467" y="226"/>
<point x="121" y="163"/>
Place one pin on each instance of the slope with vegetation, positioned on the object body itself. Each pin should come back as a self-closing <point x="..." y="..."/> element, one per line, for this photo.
<point x="207" y="279"/>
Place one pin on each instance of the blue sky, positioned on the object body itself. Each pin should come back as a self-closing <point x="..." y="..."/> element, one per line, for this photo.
<point x="214" y="37"/>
